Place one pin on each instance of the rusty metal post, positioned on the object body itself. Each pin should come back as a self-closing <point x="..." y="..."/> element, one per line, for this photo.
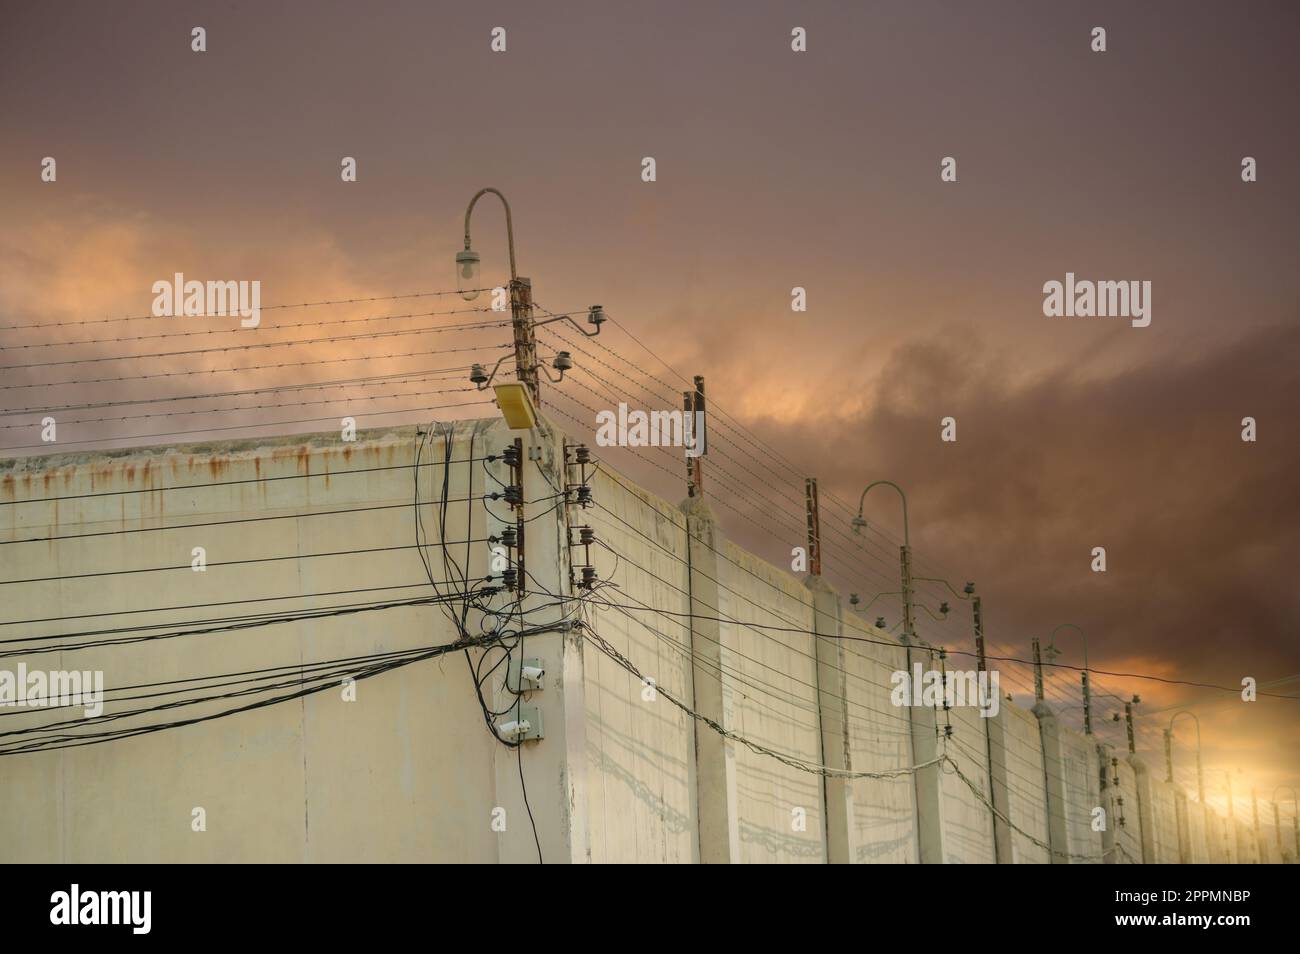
<point x="521" y="319"/>
<point x="814" y="527"/>
<point x="693" y="404"/>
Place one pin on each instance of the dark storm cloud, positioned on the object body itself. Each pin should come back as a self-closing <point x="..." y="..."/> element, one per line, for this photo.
<point x="1199" y="527"/>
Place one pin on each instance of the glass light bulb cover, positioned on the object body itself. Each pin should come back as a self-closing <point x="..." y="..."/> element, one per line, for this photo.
<point x="467" y="272"/>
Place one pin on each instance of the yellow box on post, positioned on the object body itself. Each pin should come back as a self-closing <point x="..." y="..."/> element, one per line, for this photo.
<point x="516" y="406"/>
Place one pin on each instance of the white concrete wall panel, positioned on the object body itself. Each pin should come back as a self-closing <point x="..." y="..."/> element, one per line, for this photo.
<point x="1165" y="819"/>
<point x="313" y="780"/>
<point x="1081" y="775"/>
<point x="1127" y="817"/>
<point x="641" y="791"/>
<point x="770" y="680"/>
<point x="883" y="808"/>
<point x="1026" y="785"/>
<point x="967" y="821"/>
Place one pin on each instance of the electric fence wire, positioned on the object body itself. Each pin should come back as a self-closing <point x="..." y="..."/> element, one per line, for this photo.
<point x="371" y="380"/>
<point x="726" y="421"/>
<point x="41" y="326"/>
<point x="72" y="342"/>
<point x="281" y="366"/>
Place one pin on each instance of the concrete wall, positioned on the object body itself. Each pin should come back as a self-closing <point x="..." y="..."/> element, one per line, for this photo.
<point x="771" y="679"/>
<point x="967" y="822"/>
<point x="883" y="810"/>
<point x="1023" y="759"/>
<point x="1080" y="771"/>
<point x="1247" y="844"/>
<point x="316" y="780"/>
<point x="1124" y="831"/>
<point x="1197" y="847"/>
<point x="1165" y="821"/>
<point x="1216" y="844"/>
<point x="641" y="791"/>
<point x="409" y="771"/>
<point x="1270" y="850"/>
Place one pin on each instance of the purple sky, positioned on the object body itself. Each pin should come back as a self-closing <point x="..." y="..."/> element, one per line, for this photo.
<point x="775" y="169"/>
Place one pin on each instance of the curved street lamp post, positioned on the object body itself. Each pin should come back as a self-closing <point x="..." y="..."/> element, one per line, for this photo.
<point x="468" y="276"/>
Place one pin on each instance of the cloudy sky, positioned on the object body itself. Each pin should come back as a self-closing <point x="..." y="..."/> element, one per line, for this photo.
<point x="775" y="169"/>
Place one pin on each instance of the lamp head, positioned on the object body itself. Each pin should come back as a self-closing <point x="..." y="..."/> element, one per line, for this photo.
<point x="467" y="272"/>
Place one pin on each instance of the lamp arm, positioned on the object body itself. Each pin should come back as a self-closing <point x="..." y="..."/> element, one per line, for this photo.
<point x="491" y="377"/>
<point x="951" y="588"/>
<point x="569" y="319"/>
<point x="1051" y="642"/>
<point x="902" y="496"/>
<point x="510" y="226"/>
<point x="863" y="609"/>
<point x="933" y="615"/>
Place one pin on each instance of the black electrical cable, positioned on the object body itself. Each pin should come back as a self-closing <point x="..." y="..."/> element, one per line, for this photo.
<point x="236" y="624"/>
<point x="98" y="738"/>
<point x="188" y="606"/>
<point x="187" y="566"/>
<point x="145" y="627"/>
